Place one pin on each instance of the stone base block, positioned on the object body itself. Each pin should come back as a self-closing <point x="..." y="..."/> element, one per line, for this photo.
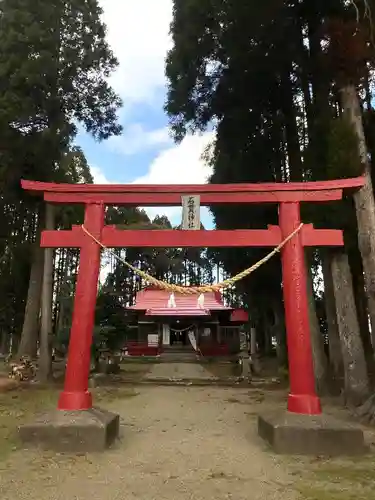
<point x="294" y="434"/>
<point x="73" y="431"/>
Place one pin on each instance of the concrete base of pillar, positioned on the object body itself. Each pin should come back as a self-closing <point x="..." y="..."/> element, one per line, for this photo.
<point x="72" y="431"/>
<point x="295" y="434"/>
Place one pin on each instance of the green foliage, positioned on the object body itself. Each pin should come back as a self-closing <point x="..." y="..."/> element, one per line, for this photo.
<point x="74" y="167"/>
<point x="110" y="324"/>
<point x="260" y="74"/>
<point x="54" y="69"/>
<point x="55" y="61"/>
<point x="54" y="65"/>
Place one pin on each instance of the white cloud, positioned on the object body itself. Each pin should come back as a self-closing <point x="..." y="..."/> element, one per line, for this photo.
<point x="138" y="32"/>
<point x="98" y="175"/>
<point x="136" y="139"/>
<point x="180" y="164"/>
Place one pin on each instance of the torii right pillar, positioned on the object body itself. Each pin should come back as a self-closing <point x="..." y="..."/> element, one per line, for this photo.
<point x="302" y="429"/>
<point x="302" y="398"/>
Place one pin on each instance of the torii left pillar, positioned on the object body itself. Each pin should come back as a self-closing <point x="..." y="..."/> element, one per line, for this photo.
<point x="76" y="395"/>
<point x="76" y="425"/>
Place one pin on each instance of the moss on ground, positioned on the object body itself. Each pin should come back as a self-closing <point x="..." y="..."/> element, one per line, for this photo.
<point x="17" y="408"/>
<point x="315" y="493"/>
<point x="338" y="479"/>
<point x="20" y="406"/>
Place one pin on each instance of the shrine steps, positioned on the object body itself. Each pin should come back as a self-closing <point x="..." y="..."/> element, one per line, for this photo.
<point x="178" y="354"/>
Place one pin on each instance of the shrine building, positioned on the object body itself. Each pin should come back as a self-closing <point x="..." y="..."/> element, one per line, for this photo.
<point x="165" y="320"/>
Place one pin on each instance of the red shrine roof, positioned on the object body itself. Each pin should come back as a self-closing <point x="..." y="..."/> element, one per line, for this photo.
<point x="160" y="303"/>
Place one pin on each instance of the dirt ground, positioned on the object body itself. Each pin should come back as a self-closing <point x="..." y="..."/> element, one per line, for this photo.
<point x="176" y="443"/>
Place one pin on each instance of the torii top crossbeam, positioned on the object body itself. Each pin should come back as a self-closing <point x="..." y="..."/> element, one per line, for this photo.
<point x="210" y="194"/>
<point x="170" y="195"/>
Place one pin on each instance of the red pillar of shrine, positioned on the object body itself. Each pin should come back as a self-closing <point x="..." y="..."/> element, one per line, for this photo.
<point x="302" y="398"/>
<point x="75" y="395"/>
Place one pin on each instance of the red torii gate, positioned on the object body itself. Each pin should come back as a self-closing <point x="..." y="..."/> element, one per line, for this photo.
<point x="302" y="398"/>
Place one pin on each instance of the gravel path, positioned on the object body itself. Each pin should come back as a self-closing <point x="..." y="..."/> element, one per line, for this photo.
<point x="177" y="443"/>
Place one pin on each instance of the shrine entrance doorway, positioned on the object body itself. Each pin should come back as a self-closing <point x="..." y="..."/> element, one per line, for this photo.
<point x="179" y="336"/>
<point x="93" y="235"/>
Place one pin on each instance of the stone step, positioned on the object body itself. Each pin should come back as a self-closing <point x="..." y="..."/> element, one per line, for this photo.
<point x="178" y="358"/>
<point x="178" y="348"/>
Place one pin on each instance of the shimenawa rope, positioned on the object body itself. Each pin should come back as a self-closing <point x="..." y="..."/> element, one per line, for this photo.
<point x="196" y="290"/>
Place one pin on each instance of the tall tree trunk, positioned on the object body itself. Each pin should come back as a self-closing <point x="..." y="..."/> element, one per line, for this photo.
<point x="268" y="330"/>
<point x="317" y="341"/>
<point x="281" y="348"/>
<point x="364" y="201"/>
<point x="45" y="359"/>
<point x="291" y="130"/>
<point x="356" y="379"/>
<point x="334" y="344"/>
<point x="3" y="341"/>
<point x="356" y="267"/>
<point x="29" y="335"/>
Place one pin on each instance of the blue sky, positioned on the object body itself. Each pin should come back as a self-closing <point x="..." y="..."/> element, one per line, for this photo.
<point x="138" y="32"/>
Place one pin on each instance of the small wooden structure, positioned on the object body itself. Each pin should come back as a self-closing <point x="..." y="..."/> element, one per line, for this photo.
<point x="202" y="323"/>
